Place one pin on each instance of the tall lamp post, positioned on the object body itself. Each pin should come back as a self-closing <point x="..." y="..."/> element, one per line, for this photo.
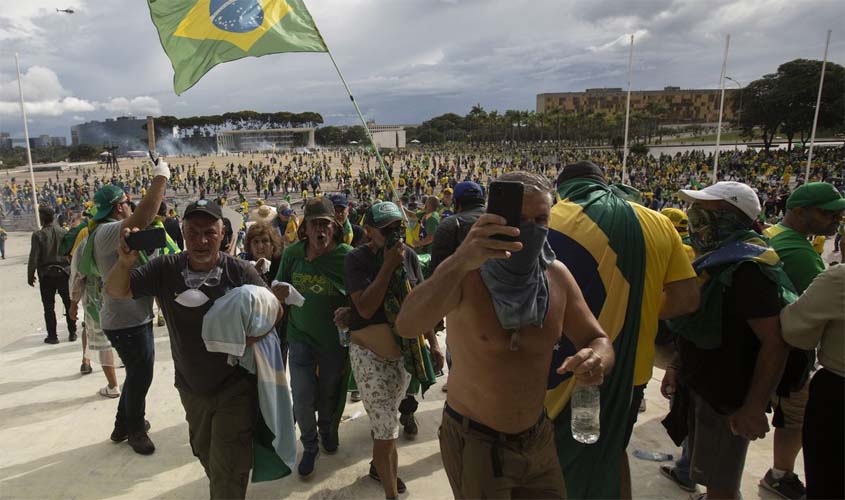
<point x="739" y="112"/>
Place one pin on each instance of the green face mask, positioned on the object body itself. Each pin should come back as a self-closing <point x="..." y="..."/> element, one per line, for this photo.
<point x="392" y="236"/>
<point x="709" y="229"/>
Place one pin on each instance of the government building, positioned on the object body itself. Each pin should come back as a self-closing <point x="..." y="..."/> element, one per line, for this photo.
<point x="679" y="105"/>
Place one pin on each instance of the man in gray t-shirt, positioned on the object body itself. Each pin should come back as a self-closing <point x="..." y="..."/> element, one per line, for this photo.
<point x="126" y="322"/>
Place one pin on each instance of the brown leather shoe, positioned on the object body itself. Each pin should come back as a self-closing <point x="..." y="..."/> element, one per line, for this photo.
<point x="140" y="442"/>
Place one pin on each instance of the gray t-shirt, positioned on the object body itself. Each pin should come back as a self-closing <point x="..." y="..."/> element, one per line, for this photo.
<point x="117" y="314"/>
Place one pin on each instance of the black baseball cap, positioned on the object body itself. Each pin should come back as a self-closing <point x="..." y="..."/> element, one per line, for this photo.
<point x="204" y="207"/>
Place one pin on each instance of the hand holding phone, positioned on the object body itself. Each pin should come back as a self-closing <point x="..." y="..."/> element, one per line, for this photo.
<point x="148" y="240"/>
<point x="505" y="200"/>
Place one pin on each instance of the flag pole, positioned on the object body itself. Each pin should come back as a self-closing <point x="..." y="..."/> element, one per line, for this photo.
<point x="364" y="123"/>
<point x="721" y="110"/>
<point x="625" y="179"/>
<point x="816" y="117"/>
<point x="28" y="151"/>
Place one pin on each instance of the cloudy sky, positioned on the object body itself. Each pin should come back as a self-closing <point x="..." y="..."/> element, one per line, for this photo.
<point x="405" y="60"/>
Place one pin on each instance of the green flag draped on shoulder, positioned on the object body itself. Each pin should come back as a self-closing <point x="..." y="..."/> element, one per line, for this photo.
<point x="200" y="34"/>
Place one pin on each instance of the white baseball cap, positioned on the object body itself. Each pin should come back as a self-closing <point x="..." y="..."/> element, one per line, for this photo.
<point x="736" y="193"/>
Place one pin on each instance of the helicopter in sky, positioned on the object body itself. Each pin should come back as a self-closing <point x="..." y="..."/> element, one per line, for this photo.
<point x="66" y="11"/>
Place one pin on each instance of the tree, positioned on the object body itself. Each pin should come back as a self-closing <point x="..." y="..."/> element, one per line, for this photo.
<point x="798" y="86"/>
<point x="761" y="108"/>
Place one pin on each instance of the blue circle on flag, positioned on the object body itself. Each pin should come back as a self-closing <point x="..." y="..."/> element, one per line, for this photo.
<point x="236" y="16"/>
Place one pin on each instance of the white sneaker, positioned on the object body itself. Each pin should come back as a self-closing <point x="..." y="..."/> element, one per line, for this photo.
<point x="110" y="392"/>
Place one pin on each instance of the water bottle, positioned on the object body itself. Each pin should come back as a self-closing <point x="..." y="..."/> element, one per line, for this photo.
<point x="586" y="409"/>
<point x="344" y="337"/>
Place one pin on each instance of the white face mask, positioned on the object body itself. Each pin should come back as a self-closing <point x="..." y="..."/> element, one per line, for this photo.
<point x="192" y="298"/>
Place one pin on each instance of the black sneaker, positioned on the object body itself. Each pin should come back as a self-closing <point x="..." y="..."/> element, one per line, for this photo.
<point x="119" y="434"/>
<point x="329" y="443"/>
<point x="51" y="340"/>
<point x="306" y="464"/>
<point x="140" y="442"/>
<point x="71" y="337"/>
<point x="400" y="485"/>
<point x="85" y="369"/>
<point x="788" y="486"/>
<point x="409" y="424"/>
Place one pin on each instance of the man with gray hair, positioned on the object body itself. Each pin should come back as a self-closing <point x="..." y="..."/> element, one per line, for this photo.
<point x="506" y="302"/>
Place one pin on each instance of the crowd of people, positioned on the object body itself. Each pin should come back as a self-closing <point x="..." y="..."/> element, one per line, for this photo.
<point x="596" y="277"/>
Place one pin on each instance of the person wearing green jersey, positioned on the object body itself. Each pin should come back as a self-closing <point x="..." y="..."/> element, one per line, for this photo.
<point x="314" y="267"/>
<point x="814" y="208"/>
<point x="429" y="220"/>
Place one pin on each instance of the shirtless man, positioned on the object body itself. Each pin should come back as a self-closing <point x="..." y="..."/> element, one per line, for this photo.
<point x="495" y="439"/>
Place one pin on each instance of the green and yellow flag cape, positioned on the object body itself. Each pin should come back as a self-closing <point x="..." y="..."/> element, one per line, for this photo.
<point x="597" y="235"/>
<point x="200" y="34"/>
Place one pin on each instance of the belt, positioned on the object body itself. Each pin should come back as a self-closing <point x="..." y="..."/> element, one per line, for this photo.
<point x="489" y="431"/>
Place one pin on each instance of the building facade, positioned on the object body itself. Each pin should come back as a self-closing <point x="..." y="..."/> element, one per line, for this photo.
<point x="125" y="132"/>
<point x="388" y="136"/>
<point x="233" y="141"/>
<point x="677" y="105"/>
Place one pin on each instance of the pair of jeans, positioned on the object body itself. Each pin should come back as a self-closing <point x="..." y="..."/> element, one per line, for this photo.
<point x="136" y="349"/>
<point x="316" y="394"/>
<point x="49" y="285"/>
<point x="683" y="462"/>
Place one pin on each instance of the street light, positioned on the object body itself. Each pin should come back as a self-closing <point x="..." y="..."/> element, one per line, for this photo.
<point x="739" y="112"/>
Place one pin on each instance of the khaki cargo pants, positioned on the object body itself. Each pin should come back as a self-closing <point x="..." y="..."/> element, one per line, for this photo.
<point x="221" y="427"/>
<point x="482" y="466"/>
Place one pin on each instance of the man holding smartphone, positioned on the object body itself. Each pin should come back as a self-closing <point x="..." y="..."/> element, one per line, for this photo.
<point x="495" y="439"/>
<point x="126" y="322"/>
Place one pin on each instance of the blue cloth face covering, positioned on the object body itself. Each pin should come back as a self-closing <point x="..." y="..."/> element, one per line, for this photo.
<point x="518" y="285"/>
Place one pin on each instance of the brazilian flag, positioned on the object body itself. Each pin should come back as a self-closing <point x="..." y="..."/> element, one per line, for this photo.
<point x="200" y="34"/>
<point x="597" y="235"/>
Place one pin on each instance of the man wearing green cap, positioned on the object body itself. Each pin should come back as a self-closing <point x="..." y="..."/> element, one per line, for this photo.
<point x="126" y="322"/>
<point x="815" y="208"/>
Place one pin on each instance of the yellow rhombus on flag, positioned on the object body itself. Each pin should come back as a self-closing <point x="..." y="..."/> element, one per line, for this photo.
<point x="199" y="34"/>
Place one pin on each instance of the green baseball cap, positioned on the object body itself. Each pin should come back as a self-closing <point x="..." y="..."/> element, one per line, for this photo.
<point x="821" y="195"/>
<point x="383" y="214"/>
<point x="105" y="199"/>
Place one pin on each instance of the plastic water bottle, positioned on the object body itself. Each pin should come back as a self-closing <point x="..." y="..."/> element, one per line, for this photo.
<point x="586" y="409"/>
<point x="344" y="337"/>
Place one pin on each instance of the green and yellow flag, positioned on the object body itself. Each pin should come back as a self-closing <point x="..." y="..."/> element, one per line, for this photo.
<point x="200" y="34"/>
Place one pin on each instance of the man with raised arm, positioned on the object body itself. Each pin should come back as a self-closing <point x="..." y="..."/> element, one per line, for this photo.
<point x="506" y="303"/>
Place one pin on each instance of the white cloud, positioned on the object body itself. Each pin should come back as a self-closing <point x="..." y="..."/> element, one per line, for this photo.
<point x="141" y="105"/>
<point x="21" y="18"/>
<point x="45" y="95"/>
<point x="623" y="41"/>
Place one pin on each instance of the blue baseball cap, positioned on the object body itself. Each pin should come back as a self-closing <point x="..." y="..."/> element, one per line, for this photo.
<point x="340" y="200"/>
<point x="468" y="189"/>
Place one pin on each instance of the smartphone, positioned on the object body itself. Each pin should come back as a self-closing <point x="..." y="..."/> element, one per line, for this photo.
<point x="505" y="200"/>
<point x="147" y="240"/>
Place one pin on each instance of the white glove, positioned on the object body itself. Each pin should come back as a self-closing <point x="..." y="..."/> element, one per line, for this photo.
<point x="262" y="265"/>
<point x="161" y="168"/>
<point x="294" y="297"/>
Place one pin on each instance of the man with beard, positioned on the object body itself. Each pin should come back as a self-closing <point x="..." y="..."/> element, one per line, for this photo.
<point x="731" y="351"/>
<point x="127" y="322"/>
<point x="815" y="208"/>
<point x="314" y="266"/>
<point x="495" y="439"/>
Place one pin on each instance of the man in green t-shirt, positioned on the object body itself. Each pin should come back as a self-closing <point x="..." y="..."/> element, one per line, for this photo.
<point x="429" y="220"/>
<point x="815" y="208"/>
<point x="314" y="266"/>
